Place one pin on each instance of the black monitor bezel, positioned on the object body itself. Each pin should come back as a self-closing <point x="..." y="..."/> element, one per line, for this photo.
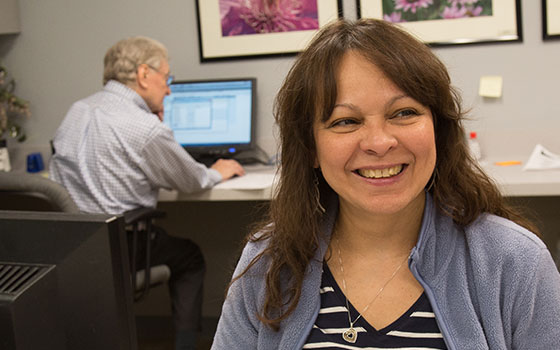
<point x="223" y="149"/>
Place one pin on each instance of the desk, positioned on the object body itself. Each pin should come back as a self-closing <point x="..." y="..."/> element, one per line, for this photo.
<point x="257" y="185"/>
<point x="217" y="219"/>
<point x="514" y="182"/>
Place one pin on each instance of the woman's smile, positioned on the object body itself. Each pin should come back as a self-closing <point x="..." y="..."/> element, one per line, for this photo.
<point x="379" y="173"/>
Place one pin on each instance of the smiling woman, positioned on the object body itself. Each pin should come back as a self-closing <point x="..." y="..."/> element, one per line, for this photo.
<point x="375" y="172"/>
<point x="374" y="131"/>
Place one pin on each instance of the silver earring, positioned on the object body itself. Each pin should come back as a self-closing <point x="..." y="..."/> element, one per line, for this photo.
<point x="432" y="180"/>
<point x="318" y="195"/>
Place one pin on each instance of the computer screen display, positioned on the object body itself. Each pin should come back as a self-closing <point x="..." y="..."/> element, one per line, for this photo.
<point x="212" y="116"/>
<point x="64" y="282"/>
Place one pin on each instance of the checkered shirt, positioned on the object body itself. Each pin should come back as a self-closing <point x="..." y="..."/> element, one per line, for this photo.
<point x="113" y="154"/>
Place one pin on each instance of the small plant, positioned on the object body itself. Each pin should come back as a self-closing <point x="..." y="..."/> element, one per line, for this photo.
<point x="12" y="108"/>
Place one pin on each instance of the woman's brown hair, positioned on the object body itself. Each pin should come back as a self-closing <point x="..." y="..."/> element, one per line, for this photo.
<point x="459" y="187"/>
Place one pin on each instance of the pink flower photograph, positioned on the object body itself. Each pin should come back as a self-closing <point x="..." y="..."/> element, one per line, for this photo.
<point x="398" y="11"/>
<point x="246" y="17"/>
<point x="233" y="29"/>
<point x="450" y="22"/>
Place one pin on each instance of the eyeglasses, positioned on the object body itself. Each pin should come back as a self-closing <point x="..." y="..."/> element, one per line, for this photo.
<point x="168" y="78"/>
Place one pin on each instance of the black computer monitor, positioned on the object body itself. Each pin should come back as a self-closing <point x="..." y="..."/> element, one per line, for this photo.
<point x="64" y="282"/>
<point x="212" y="118"/>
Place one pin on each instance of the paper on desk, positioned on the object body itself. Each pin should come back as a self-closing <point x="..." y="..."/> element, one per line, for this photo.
<point x="251" y="181"/>
<point x="542" y="159"/>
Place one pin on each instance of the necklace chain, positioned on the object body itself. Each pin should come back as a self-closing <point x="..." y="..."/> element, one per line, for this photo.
<point x="350" y="335"/>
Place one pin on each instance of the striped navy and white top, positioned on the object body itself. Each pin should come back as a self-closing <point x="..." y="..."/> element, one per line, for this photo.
<point x="416" y="329"/>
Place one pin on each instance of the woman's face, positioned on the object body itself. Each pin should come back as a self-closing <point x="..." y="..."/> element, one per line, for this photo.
<point x="377" y="149"/>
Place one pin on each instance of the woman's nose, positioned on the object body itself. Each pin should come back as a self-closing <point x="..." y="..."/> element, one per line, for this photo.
<point x="377" y="139"/>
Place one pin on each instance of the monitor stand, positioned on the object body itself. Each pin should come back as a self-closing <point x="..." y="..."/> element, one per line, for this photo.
<point x="252" y="156"/>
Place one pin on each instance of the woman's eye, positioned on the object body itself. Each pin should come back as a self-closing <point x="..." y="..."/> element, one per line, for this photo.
<point x="405" y="113"/>
<point x="343" y="122"/>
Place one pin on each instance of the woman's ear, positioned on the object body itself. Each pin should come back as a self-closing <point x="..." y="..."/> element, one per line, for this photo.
<point x="316" y="164"/>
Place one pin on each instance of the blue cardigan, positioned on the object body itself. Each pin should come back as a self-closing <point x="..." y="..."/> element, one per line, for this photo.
<point x="492" y="285"/>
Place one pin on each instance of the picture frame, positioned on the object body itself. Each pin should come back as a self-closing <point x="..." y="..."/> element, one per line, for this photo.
<point x="551" y="19"/>
<point x="438" y="23"/>
<point x="227" y="31"/>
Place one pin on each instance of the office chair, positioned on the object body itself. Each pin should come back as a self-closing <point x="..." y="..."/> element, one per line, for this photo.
<point x="139" y="222"/>
<point x="24" y="191"/>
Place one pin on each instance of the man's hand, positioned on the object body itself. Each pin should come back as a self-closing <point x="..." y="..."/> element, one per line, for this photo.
<point x="159" y="115"/>
<point x="228" y="168"/>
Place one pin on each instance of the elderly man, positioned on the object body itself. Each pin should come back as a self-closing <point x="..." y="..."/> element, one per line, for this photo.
<point x="113" y="154"/>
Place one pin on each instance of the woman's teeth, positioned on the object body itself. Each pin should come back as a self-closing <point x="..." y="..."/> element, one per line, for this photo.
<point x="380" y="173"/>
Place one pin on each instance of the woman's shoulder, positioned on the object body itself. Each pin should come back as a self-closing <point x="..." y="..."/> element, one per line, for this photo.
<point x="495" y="232"/>
<point x="253" y="252"/>
<point x="248" y="280"/>
<point x="498" y="244"/>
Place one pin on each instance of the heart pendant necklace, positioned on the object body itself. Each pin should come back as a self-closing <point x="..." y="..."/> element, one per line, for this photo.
<point x="351" y="335"/>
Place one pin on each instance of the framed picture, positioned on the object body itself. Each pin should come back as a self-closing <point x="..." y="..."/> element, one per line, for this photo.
<point x="551" y="19"/>
<point x="450" y="22"/>
<point x="230" y="29"/>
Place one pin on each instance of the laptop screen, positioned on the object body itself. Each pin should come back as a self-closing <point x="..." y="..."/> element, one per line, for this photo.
<point x="212" y="116"/>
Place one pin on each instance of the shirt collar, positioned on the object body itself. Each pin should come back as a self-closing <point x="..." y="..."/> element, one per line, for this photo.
<point x="124" y="91"/>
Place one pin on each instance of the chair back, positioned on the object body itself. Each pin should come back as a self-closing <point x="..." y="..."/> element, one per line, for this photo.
<point x="33" y="192"/>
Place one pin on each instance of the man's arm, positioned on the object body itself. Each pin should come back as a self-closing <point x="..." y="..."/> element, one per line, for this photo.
<point x="226" y="167"/>
<point x="168" y="165"/>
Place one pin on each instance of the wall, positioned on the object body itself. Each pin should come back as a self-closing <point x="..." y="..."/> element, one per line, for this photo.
<point x="57" y="59"/>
